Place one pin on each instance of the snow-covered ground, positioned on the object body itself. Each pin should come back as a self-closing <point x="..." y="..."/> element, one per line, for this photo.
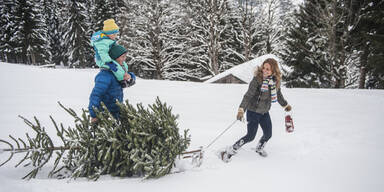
<point x="337" y="145"/>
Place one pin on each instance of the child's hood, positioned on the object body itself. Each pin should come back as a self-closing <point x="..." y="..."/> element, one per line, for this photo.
<point x="98" y="35"/>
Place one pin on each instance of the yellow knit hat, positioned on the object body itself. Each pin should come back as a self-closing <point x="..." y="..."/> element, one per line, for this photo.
<point x="110" y="27"/>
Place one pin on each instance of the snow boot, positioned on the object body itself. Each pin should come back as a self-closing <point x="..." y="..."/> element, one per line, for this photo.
<point x="260" y="149"/>
<point x="227" y="154"/>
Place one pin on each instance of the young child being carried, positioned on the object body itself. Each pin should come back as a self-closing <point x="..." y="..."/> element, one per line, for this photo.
<point x="102" y="41"/>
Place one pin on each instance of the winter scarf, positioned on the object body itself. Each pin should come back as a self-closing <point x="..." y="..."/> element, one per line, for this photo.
<point x="269" y="83"/>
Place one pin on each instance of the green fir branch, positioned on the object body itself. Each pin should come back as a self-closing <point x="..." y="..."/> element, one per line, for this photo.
<point x="143" y="142"/>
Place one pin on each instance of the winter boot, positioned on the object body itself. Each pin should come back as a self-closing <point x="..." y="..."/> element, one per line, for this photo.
<point x="260" y="149"/>
<point x="227" y="154"/>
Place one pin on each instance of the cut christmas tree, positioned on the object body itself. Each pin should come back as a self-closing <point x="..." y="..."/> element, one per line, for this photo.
<point x="144" y="142"/>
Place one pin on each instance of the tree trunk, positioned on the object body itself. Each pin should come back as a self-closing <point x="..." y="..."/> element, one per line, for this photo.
<point x="363" y="67"/>
<point x="247" y="33"/>
<point x="247" y="45"/>
<point x="213" y="37"/>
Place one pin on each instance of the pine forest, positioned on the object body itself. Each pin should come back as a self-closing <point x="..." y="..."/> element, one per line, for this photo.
<point x="321" y="43"/>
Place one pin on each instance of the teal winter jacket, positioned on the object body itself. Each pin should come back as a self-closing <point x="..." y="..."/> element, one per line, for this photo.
<point x="102" y="44"/>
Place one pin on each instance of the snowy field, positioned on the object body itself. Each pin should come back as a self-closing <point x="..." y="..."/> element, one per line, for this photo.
<point x="337" y="145"/>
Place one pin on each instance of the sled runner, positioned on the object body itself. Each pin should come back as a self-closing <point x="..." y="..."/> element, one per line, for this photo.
<point x="195" y="155"/>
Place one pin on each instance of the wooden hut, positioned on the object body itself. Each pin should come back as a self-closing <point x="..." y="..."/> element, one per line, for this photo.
<point x="240" y="74"/>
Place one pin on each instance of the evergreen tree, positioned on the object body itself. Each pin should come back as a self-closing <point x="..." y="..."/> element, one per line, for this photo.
<point x="286" y="12"/>
<point x="210" y="33"/>
<point x="33" y="30"/>
<point x="271" y="26"/>
<point x="51" y="13"/>
<point x="93" y="16"/>
<point x="154" y="43"/>
<point x="144" y="142"/>
<point x="324" y="58"/>
<point x="304" y="50"/>
<point x="375" y="33"/>
<point x="103" y="10"/>
<point x="13" y="36"/>
<point x="77" y="38"/>
<point x="367" y="38"/>
<point x="63" y="44"/>
<point x="250" y="34"/>
<point x="286" y="7"/>
<point x="232" y="49"/>
<point x="125" y="21"/>
<point x="334" y="19"/>
<point x="184" y="70"/>
<point x="5" y="21"/>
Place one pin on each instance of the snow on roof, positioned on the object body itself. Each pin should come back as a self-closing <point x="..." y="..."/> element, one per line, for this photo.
<point x="244" y="71"/>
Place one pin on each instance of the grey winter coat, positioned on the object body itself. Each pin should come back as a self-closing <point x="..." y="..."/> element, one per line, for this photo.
<point x="257" y="101"/>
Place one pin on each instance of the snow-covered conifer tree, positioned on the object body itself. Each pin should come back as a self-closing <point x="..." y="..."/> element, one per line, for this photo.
<point x="302" y="53"/>
<point x="249" y="35"/>
<point x="374" y="15"/>
<point x="103" y="10"/>
<point x="272" y="26"/>
<point x="8" y="29"/>
<point x="77" y="38"/>
<point x="25" y="32"/>
<point x="210" y="34"/>
<point x="51" y="14"/>
<point x="367" y="39"/>
<point x="153" y="39"/>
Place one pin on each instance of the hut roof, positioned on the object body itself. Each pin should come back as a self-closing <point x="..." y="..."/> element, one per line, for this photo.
<point x="244" y="71"/>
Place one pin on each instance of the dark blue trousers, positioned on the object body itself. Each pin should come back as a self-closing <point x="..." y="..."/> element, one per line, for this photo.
<point x="254" y="119"/>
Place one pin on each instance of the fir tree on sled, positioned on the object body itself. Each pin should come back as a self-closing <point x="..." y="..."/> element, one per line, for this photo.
<point x="143" y="143"/>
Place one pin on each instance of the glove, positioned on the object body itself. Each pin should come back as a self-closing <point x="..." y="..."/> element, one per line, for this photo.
<point x="240" y="114"/>
<point x="112" y="66"/>
<point x="133" y="76"/>
<point x="130" y="82"/>
<point x="288" y="108"/>
<point x="123" y="83"/>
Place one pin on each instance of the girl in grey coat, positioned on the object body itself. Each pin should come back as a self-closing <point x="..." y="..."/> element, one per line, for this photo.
<point x="263" y="90"/>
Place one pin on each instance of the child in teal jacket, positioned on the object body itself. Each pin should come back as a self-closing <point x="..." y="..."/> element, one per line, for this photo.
<point x="102" y="41"/>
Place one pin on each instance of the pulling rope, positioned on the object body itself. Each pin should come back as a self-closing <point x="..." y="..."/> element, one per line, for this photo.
<point x="221" y="133"/>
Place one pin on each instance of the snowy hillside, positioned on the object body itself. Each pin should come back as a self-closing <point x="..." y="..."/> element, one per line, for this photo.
<point x="337" y="145"/>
